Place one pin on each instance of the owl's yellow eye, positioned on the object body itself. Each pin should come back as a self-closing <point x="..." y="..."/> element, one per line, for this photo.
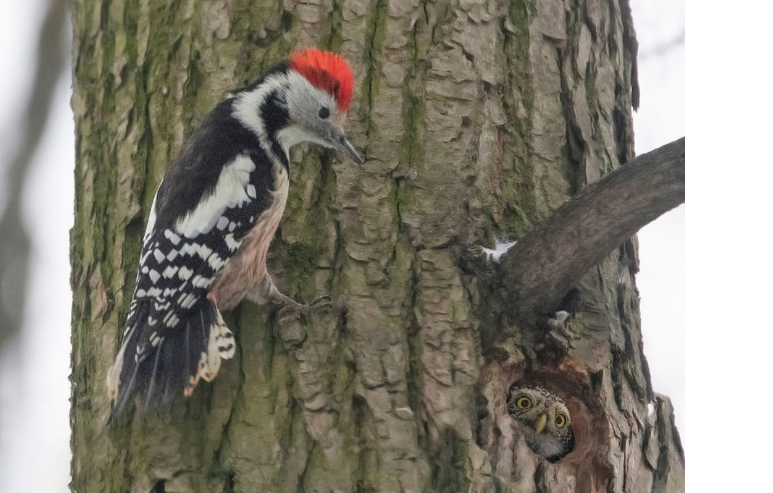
<point x="523" y="402"/>
<point x="560" y="420"/>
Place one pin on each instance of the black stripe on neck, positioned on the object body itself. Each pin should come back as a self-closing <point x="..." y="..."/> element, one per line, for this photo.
<point x="275" y="117"/>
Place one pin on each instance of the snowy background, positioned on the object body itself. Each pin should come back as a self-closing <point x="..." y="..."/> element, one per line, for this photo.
<point x="35" y="364"/>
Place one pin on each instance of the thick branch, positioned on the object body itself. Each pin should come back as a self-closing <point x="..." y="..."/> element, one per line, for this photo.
<point x="545" y="264"/>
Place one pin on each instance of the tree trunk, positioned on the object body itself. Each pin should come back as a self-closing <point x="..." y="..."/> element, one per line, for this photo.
<point x="477" y="118"/>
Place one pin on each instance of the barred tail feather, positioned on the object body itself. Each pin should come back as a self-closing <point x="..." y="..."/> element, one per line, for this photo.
<point x="158" y="368"/>
<point x="219" y="345"/>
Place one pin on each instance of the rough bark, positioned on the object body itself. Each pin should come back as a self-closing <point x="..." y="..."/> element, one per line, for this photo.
<point x="477" y="118"/>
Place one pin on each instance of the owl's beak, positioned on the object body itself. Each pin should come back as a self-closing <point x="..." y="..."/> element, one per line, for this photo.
<point x="541" y="422"/>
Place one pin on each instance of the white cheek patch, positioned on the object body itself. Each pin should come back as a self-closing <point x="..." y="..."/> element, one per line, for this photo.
<point x="247" y="105"/>
<point x="303" y="103"/>
<point x="291" y="136"/>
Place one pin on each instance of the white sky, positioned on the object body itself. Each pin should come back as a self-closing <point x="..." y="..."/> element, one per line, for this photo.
<point x="34" y="385"/>
<point x="660" y="120"/>
<point x="729" y="270"/>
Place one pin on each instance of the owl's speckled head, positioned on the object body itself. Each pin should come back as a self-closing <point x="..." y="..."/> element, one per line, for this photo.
<point x="543" y="419"/>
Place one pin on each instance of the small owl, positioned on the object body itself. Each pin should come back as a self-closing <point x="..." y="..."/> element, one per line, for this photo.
<point x="543" y="419"/>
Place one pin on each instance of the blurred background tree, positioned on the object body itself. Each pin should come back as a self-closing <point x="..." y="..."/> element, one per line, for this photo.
<point x="52" y="57"/>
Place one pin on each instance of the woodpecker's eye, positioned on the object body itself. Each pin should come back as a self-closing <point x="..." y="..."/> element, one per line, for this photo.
<point x="324" y="112"/>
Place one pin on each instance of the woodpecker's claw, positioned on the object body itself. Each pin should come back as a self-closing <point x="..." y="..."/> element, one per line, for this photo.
<point x="287" y="314"/>
<point x="293" y="310"/>
<point x="320" y="302"/>
<point x="285" y="327"/>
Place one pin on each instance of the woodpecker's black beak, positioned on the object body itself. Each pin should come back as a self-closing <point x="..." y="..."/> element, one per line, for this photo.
<point x="350" y="151"/>
<point x="342" y="144"/>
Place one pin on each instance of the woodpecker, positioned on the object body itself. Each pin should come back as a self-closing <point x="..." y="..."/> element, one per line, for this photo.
<point x="212" y="221"/>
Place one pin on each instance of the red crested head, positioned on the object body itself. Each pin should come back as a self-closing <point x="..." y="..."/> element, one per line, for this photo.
<point x="327" y="72"/>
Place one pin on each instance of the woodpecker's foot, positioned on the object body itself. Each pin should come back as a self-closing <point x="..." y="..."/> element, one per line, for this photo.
<point x="286" y="326"/>
<point x="288" y="329"/>
<point x="292" y="310"/>
<point x="323" y="301"/>
<point x="267" y="292"/>
<point x="286" y="316"/>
